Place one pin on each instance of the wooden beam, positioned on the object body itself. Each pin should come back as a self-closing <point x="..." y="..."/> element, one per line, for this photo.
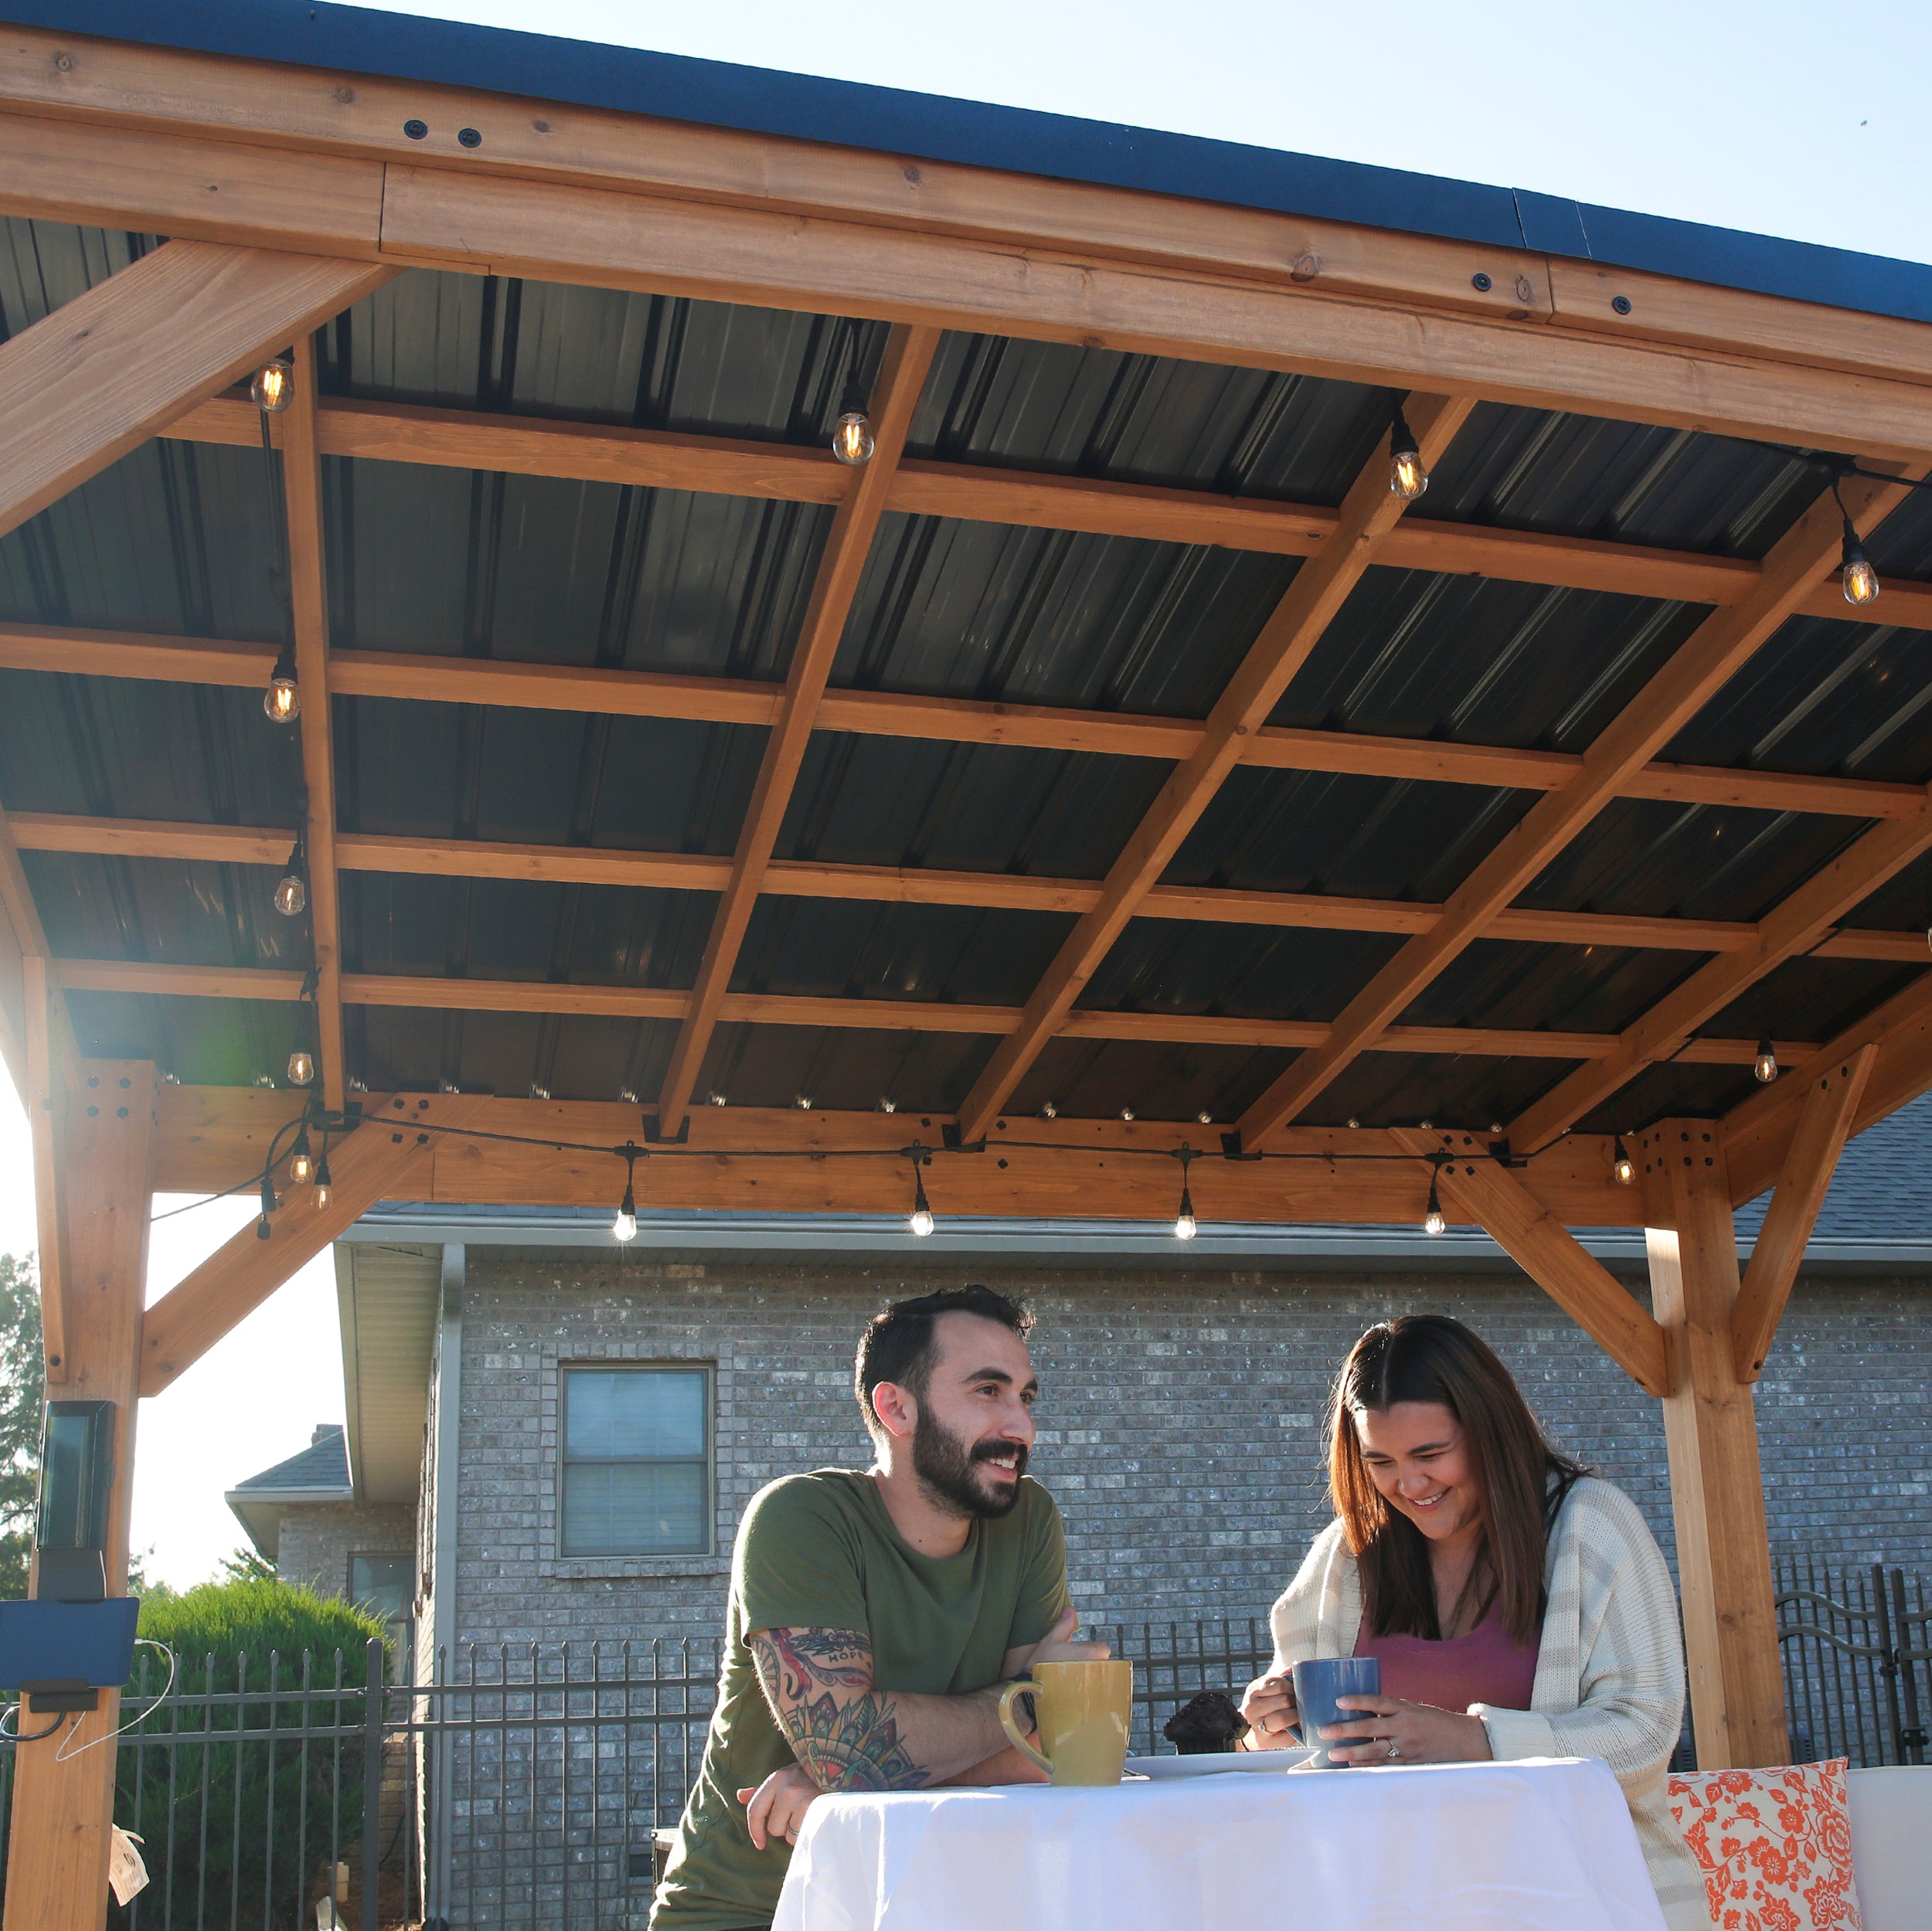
<point x="1710" y="1431"/>
<point x="438" y="217"/>
<point x="411" y="679"/>
<point x="901" y="377"/>
<point x="1694" y="674"/>
<point x="189" y="95"/>
<point x="104" y="372"/>
<point x="1319" y="589"/>
<point x="392" y="1154"/>
<point x="1480" y="1190"/>
<point x="45" y="1098"/>
<point x="121" y="177"/>
<point x="63" y="1795"/>
<point x="1792" y="926"/>
<point x="905" y="884"/>
<point x="144" y="978"/>
<point x="308" y="605"/>
<point x="746" y="1158"/>
<point x="1831" y="1095"/>
<point x="659" y="459"/>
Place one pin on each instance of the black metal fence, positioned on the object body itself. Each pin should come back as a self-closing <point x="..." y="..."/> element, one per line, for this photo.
<point x="524" y="1786"/>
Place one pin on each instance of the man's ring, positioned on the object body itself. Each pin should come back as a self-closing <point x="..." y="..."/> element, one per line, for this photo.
<point x="1393" y="1753"/>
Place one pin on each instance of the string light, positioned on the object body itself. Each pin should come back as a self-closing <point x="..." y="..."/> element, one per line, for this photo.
<point x="1186" y="1226"/>
<point x="269" y="1201"/>
<point x="1765" y="1065"/>
<point x="625" y="1225"/>
<point x="920" y="1220"/>
<point x="715" y="1099"/>
<point x="1408" y="478"/>
<point x="1432" y="1222"/>
<point x="1050" y="1111"/>
<point x="1204" y="1117"/>
<point x="889" y="1106"/>
<point x="1860" y="580"/>
<point x="301" y="1068"/>
<point x="291" y="890"/>
<point x="1127" y="1114"/>
<point x="1622" y="1169"/>
<point x="273" y="388"/>
<point x="283" y="699"/>
<point x="301" y="1160"/>
<point x="803" y="1103"/>
<point x="323" y="1183"/>
<point x="852" y="441"/>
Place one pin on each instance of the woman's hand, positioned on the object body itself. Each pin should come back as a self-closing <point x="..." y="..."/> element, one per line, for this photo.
<point x="778" y="1805"/>
<point x="1269" y="1708"/>
<point x="1390" y="1731"/>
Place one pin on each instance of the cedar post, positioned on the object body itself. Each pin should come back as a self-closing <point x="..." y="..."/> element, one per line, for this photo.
<point x="57" y="1852"/>
<point x="1710" y="1430"/>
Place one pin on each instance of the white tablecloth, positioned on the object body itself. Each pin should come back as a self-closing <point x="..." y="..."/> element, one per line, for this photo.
<point x="1536" y="1846"/>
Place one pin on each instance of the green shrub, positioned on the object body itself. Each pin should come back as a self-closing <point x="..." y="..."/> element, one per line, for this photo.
<point x="249" y="1825"/>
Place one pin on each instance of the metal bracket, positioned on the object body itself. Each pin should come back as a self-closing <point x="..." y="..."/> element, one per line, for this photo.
<point x="949" y="1138"/>
<point x="654" y="1138"/>
<point x="58" y="1698"/>
<point x="1231" y="1147"/>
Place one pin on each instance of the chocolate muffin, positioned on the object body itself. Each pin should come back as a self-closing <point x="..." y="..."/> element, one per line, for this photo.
<point x="1206" y="1726"/>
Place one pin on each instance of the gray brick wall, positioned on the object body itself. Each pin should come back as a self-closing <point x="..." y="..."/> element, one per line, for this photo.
<point x="317" y="1538"/>
<point x="1179" y="1418"/>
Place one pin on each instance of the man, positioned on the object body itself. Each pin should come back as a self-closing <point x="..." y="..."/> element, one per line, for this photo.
<point x="874" y="1618"/>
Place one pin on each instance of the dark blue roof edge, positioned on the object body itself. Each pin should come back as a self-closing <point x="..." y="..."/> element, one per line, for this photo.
<point x="972" y="133"/>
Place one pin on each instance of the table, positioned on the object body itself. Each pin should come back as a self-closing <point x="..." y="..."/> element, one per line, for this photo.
<point x="1544" y="1844"/>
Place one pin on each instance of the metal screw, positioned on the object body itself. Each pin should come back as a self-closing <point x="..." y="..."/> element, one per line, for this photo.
<point x="1480" y="283"/>
<point x="469" y="137"/>
<point x="1621" y="304"/>
<point x="417" y="130"/>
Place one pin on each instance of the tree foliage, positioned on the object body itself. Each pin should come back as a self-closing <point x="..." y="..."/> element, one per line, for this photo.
<point x="23" y="1394"/>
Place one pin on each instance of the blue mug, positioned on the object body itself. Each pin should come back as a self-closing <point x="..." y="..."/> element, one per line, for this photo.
<point x="1316" y="1685"/>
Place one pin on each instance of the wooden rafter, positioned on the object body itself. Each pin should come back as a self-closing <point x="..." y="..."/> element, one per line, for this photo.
<point x="744" y="1158"/>
<point x="392" y="1154"/>
<point x="1832" y="1096"/>
<point x="818" y="879"/>
<point x="657" y="459"/>
<point x="147" y="979"/>
<point x="1319" y="589"/>
<point x="711" y="700"/>
<point x="308" y="601"/>
<point x="111" y="368"/>
<point x="1791" y="927"/>
<point x="902" y="375"/>
<point x="1696" y="671"/>
<point x="1757" y="1133"/>
<point x="1488" y="1194"/>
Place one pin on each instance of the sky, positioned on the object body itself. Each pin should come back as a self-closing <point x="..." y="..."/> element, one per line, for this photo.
<point x="1786" y="119"/>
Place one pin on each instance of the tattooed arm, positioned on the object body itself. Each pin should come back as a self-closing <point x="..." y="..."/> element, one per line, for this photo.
<point x="847" y="1735"/>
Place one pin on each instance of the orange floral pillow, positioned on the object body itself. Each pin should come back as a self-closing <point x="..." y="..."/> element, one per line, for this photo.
<point x="1774" y="1846"/>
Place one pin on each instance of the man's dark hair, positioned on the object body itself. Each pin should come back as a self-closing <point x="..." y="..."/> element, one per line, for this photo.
<point x="897" y="1345"/>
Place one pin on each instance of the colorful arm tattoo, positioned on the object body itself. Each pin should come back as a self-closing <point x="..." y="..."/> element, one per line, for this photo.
<point x="843" y="1731"/>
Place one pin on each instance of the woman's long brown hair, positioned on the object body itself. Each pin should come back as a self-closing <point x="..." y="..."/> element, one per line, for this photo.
<point x="1428" y="1357"/>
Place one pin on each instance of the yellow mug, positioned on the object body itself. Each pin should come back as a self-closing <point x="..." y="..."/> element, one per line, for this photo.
<point x="1083" y="1712"/>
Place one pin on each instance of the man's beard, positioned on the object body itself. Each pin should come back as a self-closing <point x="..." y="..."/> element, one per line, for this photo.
<point x="945" y="1466"/>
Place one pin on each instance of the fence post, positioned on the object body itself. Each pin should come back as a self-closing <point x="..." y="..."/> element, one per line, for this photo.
<point x="371" y="1780"/>
<point x="1911" y="1735"/>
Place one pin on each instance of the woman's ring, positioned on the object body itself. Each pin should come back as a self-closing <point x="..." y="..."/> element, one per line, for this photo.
<point x="1393" y="1753"/>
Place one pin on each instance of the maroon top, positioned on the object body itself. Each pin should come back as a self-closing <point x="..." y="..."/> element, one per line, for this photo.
<point x="1483" y="1667"/>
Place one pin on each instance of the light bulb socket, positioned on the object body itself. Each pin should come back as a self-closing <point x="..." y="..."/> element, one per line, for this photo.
<point x="268" y="1198"/>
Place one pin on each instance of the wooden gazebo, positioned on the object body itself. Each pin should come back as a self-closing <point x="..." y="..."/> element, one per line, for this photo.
<point x="1114" y="784"/>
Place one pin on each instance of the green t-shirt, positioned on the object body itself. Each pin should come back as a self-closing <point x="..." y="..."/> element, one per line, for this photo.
<point x="820" y="1551"/>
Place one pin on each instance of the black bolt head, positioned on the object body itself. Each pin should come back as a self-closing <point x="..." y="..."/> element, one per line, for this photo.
<point x="417" y="130"/>
<point x="1480" y="283"/>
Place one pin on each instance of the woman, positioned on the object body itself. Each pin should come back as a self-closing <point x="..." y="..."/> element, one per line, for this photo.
<point x="1518" y="1605"/>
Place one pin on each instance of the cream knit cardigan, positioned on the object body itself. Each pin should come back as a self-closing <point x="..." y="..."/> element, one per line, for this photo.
<point x="1610" y="1675"/>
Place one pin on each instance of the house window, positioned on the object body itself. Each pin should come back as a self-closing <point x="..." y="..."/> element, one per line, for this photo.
<point x="379" y="1581"/>
<point x="636" y="1462"/>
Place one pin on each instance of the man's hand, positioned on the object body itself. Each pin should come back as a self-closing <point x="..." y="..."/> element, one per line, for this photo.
<point x="778" y="1805"/>
<point x="1057" y="1646"/>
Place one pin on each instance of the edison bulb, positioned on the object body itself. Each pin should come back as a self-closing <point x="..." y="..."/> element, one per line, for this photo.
<point x="1861" y="580"/>
<point x="301" y="1068"/>
<point x="921" y="1222"/>
<point x="1185" y="1226"/>
<point x="1408" y="478"/>
<point x="283" y="701"/>
<point x="301" y="1165"/>
<point x="624" y="1227"/>
<point x="290" y="894"/>
<point x="1765" y="1065"/>
<point x="852" y="439"/>
<point x="273" y="388"/>
<point x="1624" y="1169"/>
<point x="1432" y="1222"/>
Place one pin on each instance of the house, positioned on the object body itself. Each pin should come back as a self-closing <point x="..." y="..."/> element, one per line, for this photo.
<point x="584" y="1422"/>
